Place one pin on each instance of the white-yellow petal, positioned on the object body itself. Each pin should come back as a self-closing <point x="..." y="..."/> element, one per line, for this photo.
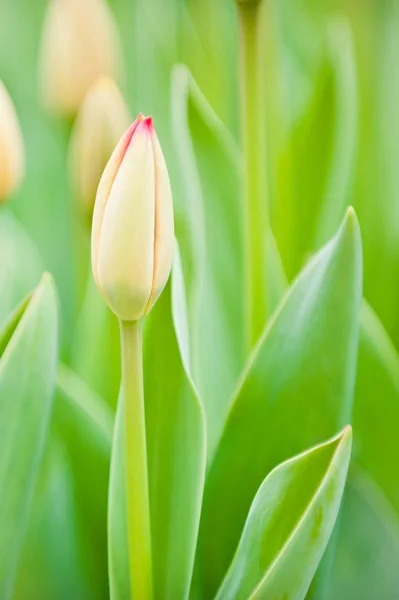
<point x="164" y="225"/>
<point x="126" y="239"/>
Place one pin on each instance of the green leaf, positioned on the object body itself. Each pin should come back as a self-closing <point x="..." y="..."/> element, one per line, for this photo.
<point x="315" y="167"/>
<point x="296" y="391"/>
<point x="27" y="373"/>
<point x="176" y="447"/>
<point x="338" y="183"/>
<point x="367" y="553"/>
<point x="53" y="561"/>
<point x="84" y="422"/>
<point x="289" y="525"/>
<point x="20" y="265"/>
<point x="209" y="225"/>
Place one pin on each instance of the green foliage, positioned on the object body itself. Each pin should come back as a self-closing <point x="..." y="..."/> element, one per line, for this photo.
<point x="26" y="400"/>
<point x="240" y="506"/>
<point x="296" y="390"/>
<point x="289" y="524"/>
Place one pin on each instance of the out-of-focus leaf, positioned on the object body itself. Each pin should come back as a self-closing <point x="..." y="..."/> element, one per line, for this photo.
<point x="376" y="408"/>
<point x="338" y="185"/>
<point x="27" y="372"/>
<point x="212" y="58"/>
<point x="85" y="422"/>
<point x="289" y="525"/>
<point x="20" y="266"/>
<point x="209" y="225"/>
<point x="367" y="552"/>
<point x="53" y="560"/>
<point x="315" y="168"/>
<point x="176" y="447"/>
<point x="209" y="229"/>
<point x="376" y="189"/>
<point x="95" y="352"/>
<point x="297" y="389"/>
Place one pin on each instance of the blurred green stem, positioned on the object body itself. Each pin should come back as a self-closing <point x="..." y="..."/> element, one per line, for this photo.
<point x="253" y="140"/>
<point x="138" y="513"/>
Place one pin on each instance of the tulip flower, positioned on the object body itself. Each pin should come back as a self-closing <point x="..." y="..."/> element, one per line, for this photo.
<point x="132" y="233"/>
<point x="11" y="146"/>
<point x="102" y="119"/>
<point x="80" y="43"/>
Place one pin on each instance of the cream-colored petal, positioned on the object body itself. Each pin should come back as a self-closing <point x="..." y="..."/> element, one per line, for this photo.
<point x="164" y="224"/>
<point x="103" y="192"/>
<point x="126" y="241"/>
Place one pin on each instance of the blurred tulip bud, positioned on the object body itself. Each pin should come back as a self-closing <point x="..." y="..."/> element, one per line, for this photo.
<point x="133" y="234"/>
<point x="102" y="119"/>
<point x="80" y="43"/>
<point x="11" y="146"/>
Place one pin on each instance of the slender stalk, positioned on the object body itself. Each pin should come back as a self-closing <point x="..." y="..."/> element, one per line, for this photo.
<point x="253" y="140"/>
<point x="138" y="513"/>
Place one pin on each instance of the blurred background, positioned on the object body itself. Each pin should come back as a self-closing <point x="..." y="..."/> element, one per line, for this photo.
<point x="331" y="120"/>
<point x="332" y="133"/>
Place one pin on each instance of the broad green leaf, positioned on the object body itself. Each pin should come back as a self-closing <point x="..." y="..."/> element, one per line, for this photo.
<point x="84" y="422"/>
<point x="289" y="524"/>
<point x="27" y="373"/>
<point x="20" y="265"/>
<point x="376" y="408"/>
<point x="53" y="562"/>
<point x="209" y="228"/>
<point x="176" y="447"/>
<point x="209" y="225"/>
<point x="367" y="552"/>
<point x="297" y="390"/>
<point x="95" y="354"/>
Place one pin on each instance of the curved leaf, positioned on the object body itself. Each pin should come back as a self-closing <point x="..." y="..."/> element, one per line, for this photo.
<point x="289" y="525"/>
<point x="209" y="225"/>
<point x="84" y="422"/>
<point x="297" y="389"/>
<point x="27" y="374"/>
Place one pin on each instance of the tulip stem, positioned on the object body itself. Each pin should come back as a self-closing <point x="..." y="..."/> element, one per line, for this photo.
<point x="255" y="188"/>
<point x="138" y="512"/>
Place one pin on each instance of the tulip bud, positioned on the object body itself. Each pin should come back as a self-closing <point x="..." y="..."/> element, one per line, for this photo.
<point x="80" y="43"/>
<point x="132" y="234"/>
<point x="11" y="146"/>
<point x="102" y="119"/>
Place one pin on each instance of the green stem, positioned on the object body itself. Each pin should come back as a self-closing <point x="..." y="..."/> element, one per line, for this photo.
<point x="255" y="188"/>
<point x="138" y="513"/>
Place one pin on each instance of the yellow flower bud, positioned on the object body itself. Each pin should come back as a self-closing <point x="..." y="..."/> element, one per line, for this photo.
<point x="133" y="234"/>
<point x="102" y="119"/>
<point x="80" y="43"/>
<point x="11" y="146"/>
